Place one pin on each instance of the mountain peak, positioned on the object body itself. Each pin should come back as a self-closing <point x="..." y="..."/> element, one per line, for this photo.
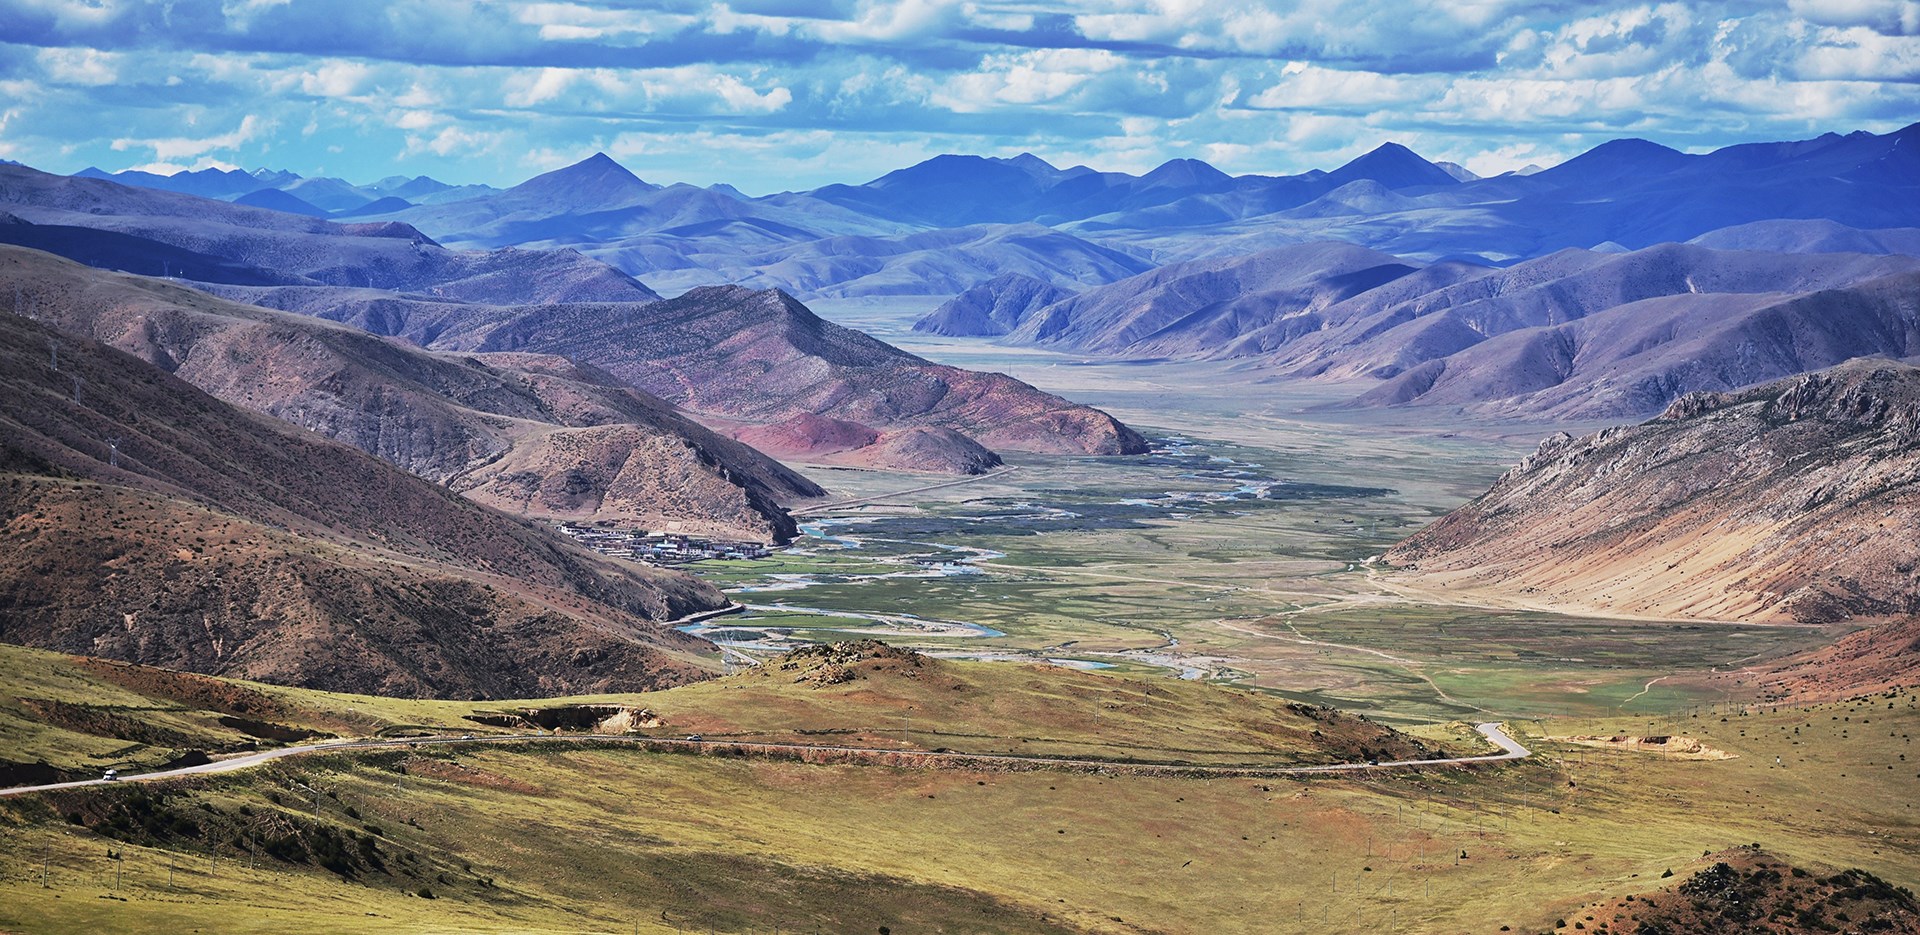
<point x="1033" y="164"/>
<point x="1394" y="166"/>
<point x="595" y="179"/>
<point x="1185" y="173"/>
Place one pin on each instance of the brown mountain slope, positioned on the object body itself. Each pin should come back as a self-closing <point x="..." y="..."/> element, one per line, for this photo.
<point x="1793" y="500"/>
<point x="819" y="440"/>
<point x="447" y="418"/>
<point x="227" y="542"/>
<point x="734" y="354"/>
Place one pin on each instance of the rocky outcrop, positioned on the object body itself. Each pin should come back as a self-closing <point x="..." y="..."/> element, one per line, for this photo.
<point x="1796" y="500"/>
<point x="1745" y="889"/>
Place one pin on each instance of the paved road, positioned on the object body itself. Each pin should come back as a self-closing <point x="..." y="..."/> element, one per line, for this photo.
<point x="1510" y="750"/>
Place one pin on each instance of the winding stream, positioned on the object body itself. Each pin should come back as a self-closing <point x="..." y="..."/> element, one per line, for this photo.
<point x="768" y="626"/>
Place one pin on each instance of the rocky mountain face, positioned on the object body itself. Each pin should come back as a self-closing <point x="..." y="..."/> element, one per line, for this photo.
<point x="145" y="520"/>
<point x="751" y="364"/>
<point x="816" y="439"/>
<point x="739" y="356"/>
<point x="992" y="308"/>
<point x="1796" y="500"/>
<point x="939" y="262"/>
<point x="536" y="435"/>
<point x="1199" y="308"/>
<point x="1577" y="335"/>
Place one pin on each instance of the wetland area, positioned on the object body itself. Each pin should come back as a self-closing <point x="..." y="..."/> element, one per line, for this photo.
<point x="1236" y="551"/>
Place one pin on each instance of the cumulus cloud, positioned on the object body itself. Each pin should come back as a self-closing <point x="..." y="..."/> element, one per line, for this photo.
<point x="829" y="90"/>
<point x="180" y="147"/>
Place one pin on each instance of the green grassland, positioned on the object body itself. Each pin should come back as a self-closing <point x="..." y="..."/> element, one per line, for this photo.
<point x="1266" y="601"/>
<point x="137" y="718"/>
<point x="1266" y="592"/>
<point x="610" y="840"/>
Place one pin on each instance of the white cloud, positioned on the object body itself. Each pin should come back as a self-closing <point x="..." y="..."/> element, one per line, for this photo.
<point x="1859" y="53"/>
<point x="454" y="140"/>
<point x="184" y="147"/>
<point x="335" y="78"/>
<point x="530" y="89"/>
<point x="888" y="20"/>
<point x="573" y="22"/>
<point x="1888" y="17"/>
<point x="175" y="168"/>
<point x="1025" y="78"/>
<point x="87" y="67"/>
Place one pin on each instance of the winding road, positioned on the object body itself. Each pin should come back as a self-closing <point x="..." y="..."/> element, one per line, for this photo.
<point x="1510" y="748"/>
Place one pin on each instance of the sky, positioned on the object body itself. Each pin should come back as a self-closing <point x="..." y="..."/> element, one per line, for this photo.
<point x="773" y="95"/>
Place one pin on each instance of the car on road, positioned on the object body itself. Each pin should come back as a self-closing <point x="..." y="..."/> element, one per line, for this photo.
<point x="112" y="775"/>
<point x="695" y="738"/>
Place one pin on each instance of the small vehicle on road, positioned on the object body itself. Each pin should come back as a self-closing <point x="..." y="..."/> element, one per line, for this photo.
<point x="112" y="775"/>
<point x="695" y="738"/>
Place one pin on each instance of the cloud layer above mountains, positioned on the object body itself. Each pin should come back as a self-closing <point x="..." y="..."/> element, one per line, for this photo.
<point x="771" y="94"/>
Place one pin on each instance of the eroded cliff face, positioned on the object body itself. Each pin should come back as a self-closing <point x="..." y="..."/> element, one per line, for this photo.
<point x="1795" y="500"/>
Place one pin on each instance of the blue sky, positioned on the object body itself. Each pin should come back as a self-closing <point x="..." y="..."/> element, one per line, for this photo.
<point x="787" y="94"/>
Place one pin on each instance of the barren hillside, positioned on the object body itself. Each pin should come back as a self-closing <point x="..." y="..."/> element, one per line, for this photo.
<point x="1796" y="500"/>
<point x="145" y="520"/>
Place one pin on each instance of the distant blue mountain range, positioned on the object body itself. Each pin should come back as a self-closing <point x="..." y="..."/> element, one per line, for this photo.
<point x="1076" y="227"/>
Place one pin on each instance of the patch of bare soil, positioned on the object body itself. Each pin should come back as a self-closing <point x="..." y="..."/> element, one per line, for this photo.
<point x="450" y="771"/>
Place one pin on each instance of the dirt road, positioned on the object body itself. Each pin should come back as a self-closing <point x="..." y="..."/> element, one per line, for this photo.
<point x="1510" y="750"/>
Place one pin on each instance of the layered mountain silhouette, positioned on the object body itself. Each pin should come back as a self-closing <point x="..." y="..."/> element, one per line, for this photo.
<point x="537" y="436"/>
<point x="901" y="233"/>
<point x="744" y="358"/>
<point x="1567" y="293"/>
<point x="1575" y="335"/>
<point x="151" y="522"/>
<point x="329" y="196"/>
<point x="385" y="278"/>
<point x="297" y="249"/>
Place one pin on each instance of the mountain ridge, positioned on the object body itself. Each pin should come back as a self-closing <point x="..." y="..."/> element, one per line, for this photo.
<point x="1748" y="505"/>
<point x="150" y="522"/>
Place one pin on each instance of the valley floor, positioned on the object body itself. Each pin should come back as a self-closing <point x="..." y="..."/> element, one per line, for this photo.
<point x="1234" y="555"/>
